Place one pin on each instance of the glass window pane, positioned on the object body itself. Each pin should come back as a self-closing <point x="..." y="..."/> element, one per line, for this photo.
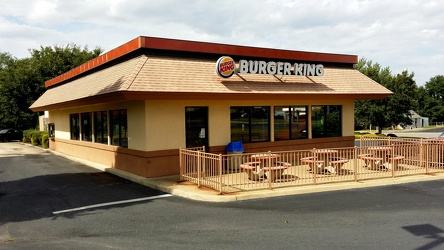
<point x="101" y="127"/>
<point x="299" y="123"/>
<point x="282" y="118"/>
<point x="290" y="123"/>
<point x="115" y="127"/>
<point x="196" y="126"/>
<point x="250" y="124"/>
<point x="123" y="128"/>
<point x="119" y="131"/>
<point x="74" y="126"/>
<point x="326" y="121"/>
<point x="86" y="127"/>
<point x="240" y="127"/>
<point x="260" y="123"/>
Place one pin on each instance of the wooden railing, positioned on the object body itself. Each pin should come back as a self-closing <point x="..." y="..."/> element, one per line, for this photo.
<point x="375" y="158"/>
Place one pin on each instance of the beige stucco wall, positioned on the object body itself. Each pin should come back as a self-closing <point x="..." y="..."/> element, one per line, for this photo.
<point x="166" y="123"/>
<point x="348" y="118"/>
<point x="166" y="119"/>
<point x="60" y="118"/>
<point x="160" y="124"/>
<point x="136" y="121"/>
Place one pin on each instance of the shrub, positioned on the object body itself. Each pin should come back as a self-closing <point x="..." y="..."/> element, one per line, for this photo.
<point x="27" y="135"/>
<point x="36" y="137"/>
<point x="45" y="140"/>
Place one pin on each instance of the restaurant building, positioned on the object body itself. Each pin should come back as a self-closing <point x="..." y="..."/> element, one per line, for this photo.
<point x="133" y="107"/>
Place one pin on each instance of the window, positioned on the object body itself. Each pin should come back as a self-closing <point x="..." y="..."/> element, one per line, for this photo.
<point x="250" y="124"/>
<point x="101" y="127"/>
<point x="118" y="128"/>
<point x="326" y="121"/>
<point x="86" y="126"/>
<point x="290" y="123"/>
<point x="74" y="126"/>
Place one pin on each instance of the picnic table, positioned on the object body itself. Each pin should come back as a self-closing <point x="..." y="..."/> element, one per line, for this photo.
<point x="263" y="165"/>
<point x="380" y="158"/>
<point x="325" y="160"/>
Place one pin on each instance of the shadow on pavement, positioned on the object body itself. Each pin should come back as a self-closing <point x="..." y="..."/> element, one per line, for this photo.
<point x="40" y="195"/>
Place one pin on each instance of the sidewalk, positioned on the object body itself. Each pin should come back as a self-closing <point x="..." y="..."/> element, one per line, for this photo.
<point x="172" y="185"/>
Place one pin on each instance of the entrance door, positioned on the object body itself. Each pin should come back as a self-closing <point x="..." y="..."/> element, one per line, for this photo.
<point x="196" y="125"/>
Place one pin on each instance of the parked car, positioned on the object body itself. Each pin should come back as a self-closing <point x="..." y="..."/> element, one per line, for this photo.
<point x="11" y="134"/>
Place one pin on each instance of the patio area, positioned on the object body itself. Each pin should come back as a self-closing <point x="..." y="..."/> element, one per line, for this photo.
<point x="374" y="159"/>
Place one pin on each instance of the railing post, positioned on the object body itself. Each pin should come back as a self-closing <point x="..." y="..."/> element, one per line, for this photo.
<point x="423" y="161"/>
<point x="315" y="166"/>
<point x="355" y="163"/>
<point x="220" y="173"/>
<point x="198" y="168"/>
<point x="269" y="171"/>
<point x="392" y="161"/>
<point x="180" y="165"/>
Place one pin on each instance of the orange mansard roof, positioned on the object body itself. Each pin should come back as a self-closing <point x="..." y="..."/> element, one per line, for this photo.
<point x="178" y="69"/>
<point x="200" y="47"/>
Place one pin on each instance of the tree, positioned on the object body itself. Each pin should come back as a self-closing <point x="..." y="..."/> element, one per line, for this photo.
<point x="403" y="100"/>
<point x="16" y="86"/>
<point x="431" y="99"/>
<point x="393" y="110"/>
<point x="22" y="81"/>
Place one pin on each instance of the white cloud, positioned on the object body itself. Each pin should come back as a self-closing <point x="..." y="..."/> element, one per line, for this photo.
<point x="399" y="34"/>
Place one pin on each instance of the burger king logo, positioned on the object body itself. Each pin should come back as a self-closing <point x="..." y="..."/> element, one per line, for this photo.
<point x="225" y="67"/>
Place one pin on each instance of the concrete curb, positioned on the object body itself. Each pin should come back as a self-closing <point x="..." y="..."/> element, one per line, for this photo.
<point x="191" y="191"/>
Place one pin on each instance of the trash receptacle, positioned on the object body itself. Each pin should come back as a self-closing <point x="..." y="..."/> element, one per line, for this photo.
<point x="233" y="161"/>
<point x="235" y="147"/>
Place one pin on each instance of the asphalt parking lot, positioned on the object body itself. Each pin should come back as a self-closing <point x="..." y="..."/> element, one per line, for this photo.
<point x="50" y="202"/>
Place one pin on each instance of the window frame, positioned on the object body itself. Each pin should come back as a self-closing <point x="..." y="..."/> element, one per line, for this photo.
<point x="122" y="127"/>
<point x="101" y="126"/>
<point x="74" y="126"/>
<point x="326" y="123"/>
<point x="251" y="131"/>
<point x="86" y="126"/>
<point x="300" y="133"/>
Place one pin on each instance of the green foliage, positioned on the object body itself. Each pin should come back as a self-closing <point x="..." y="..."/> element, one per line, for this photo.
<point x="36" y="137"/>
<point x="27" y="135"/>
<point x="393" y="110"/>
<point x="45" y="140"/>
<point x="22" y="80"/>
<point x="34" y="140"/>
<point x="431" y="99"/>
<point x="53" y="61"/>
<point x="359" y="135"/>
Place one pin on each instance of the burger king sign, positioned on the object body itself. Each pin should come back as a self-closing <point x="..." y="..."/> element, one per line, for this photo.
<point x="225" y="67"/>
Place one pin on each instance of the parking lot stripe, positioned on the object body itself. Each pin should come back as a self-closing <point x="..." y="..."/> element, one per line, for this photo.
<point x="112" y="203"/>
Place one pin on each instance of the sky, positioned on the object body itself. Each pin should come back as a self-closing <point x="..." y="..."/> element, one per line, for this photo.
<point x="399" y="34"/>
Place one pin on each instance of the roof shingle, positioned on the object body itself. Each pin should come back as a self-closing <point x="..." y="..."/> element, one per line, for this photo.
<point x="180" y="75"/>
